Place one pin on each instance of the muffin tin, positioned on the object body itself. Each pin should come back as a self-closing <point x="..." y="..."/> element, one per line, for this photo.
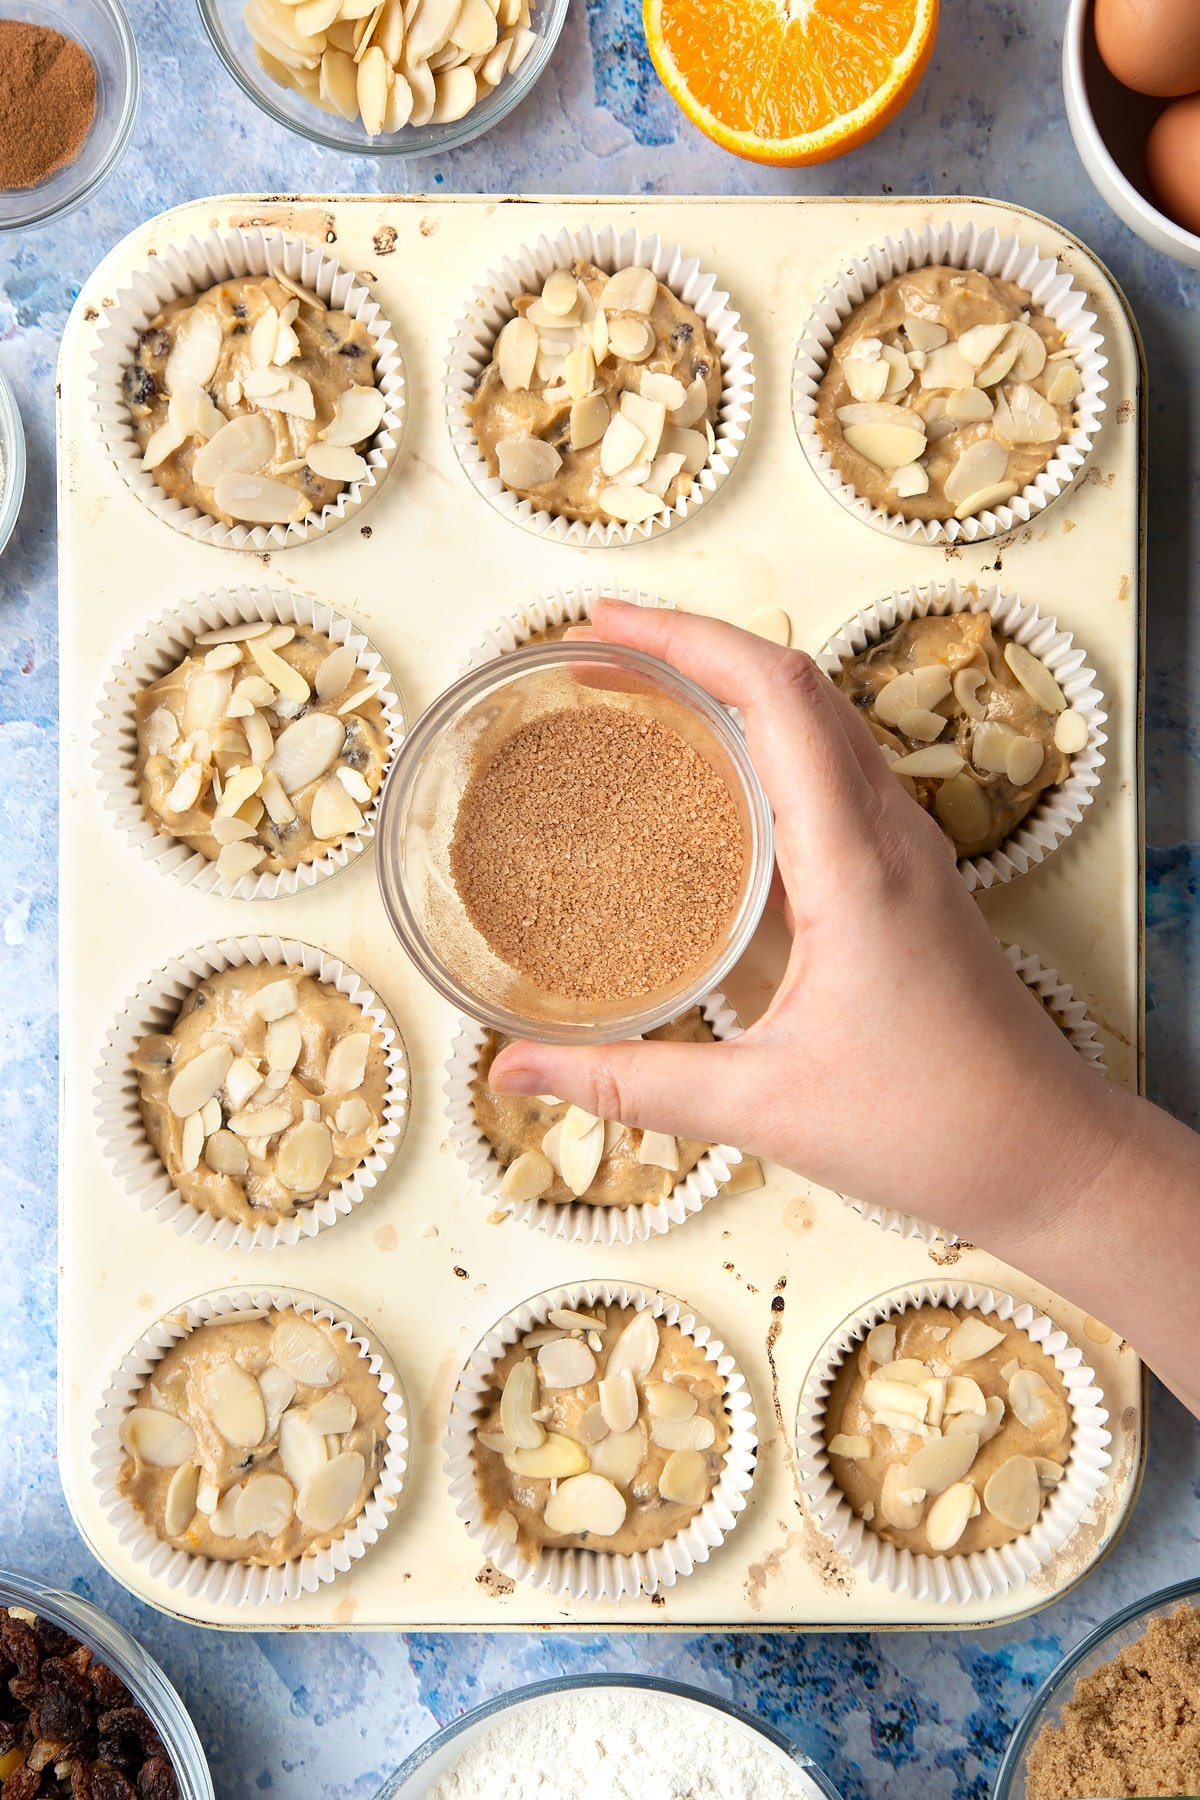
<point x="424" y="569"/>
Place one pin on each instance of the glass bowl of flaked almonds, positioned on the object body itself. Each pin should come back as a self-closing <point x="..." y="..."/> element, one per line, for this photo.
<point x="385" y="77"/>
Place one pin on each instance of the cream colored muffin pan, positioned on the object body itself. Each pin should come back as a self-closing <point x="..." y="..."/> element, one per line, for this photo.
<point x="424" y="569"/>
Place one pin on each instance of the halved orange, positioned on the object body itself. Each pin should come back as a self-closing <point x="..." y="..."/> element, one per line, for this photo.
<point x="790" y="81"/>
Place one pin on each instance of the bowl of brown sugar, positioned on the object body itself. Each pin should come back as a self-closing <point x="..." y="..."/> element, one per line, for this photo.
<point x="68" y="100"/>
<point x="573" y="844"/>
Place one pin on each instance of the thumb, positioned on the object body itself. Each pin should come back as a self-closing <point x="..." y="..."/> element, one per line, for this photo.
<point x="702" y="1091"/>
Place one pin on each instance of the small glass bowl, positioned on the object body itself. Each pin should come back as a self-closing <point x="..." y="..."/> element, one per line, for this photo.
<point x="420" y="805"/>
<point x="419" y="1772"/>
<point x="103" y="30"/>
<point x="1100" y="1646"/>
<point x="125" y="1657"/>
<point x="12" y="462"/>
<point x="232" y="41"/>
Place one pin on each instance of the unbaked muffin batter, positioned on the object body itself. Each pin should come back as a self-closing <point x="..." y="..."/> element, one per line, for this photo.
<point x="946" y="392"/>
<point x="566" y="1464"/>
<point x="266" y="1093"/>
<point x="526" y="1132"/>
<point x="600" y="397"/>
<point x="294" y="378"/>
<point x="923" y="1380"/>
<point x="263" y="748"/>
<point x="949" y="694"/>
<point x="255" y="1440"/>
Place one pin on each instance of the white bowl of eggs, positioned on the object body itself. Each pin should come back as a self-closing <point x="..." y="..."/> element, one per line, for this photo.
<point x="1131" y="74"/>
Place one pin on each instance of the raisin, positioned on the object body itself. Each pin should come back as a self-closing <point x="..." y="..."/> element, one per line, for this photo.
<point x="52" y="1641"/>
<point x="155" y="341"/>
<point x="131" y="1721"/>
<point x="115" y="1752"/>
<point x="109" y="1689"/>
<point x="682" y="334"/>
<point x="64" y="1708"/>
<point x="355" y="751"/>
<point x="138" y="385"/>
<point x="81" y="1780"/>
<point x="239" y="331"/>
<point x="701" y="368"/>
<point x="11" y="1734"/>
<point x="156" y="1781"/>
<point x="23" y="1784"/>
<point x="239" y="310"/>
<point x="24" y="1688"/>
<point x="349" y="349"/>
<point x="110" y="1784"/>
<point x="20" y="1645"/>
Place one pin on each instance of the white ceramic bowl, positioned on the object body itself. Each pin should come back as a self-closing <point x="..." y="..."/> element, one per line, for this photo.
<point x="1110" y="124"/>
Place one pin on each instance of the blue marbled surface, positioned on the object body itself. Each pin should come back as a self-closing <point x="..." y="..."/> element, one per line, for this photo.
<point x="324" y="1716"/>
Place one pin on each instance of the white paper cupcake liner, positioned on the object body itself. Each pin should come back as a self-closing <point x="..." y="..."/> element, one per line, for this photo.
<point x="565" y="606"/>
<point x="238" y="1583"/>
<point x="577" y="1221"/>
<point x="1060" y="808"/>
<point x="160" y="647"/>
<point x="983" y="1574"/>
<point x="189" y="269"/>
<point x="525" y="273"/>
<point x="961" y="247"/>
<point x="1054" y="992"/>
<point x="153" y="1008"/>
<point x="599" y="1574"/>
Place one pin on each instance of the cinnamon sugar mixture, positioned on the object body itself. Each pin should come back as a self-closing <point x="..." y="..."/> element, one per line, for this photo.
<point x="598" y="853"/>
<point x="1133" y="1725"/>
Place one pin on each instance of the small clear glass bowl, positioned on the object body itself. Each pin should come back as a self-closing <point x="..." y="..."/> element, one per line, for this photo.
<point x="232" y="41"/>
<point x="125" y="1657"/>
<point x="419" y="1772"/>
<point x="420" y="805"/>
<point x="103" y="30"/>
<point x="12" y="462"/>
<point x="1100" y="1646"/>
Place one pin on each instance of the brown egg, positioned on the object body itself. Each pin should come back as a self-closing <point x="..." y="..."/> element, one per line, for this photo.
<point x="1173" y="161"/>
<point x="1151" y="45"/>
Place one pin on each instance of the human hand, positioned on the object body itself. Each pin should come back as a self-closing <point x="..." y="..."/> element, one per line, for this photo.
<point x="901" y="1060"/>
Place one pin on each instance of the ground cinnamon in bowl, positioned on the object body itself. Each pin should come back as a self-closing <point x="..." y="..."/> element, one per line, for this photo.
<point x="1132" y="1726"/>
<point x="47" y="102"/>
<point x="598" y="852"/>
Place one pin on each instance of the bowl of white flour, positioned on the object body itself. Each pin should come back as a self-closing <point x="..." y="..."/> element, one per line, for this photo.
<point x="607" y="1737"/>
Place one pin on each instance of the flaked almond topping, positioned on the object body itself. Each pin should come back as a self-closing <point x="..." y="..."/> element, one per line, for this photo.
<point x="357" y="415"/>
<point x="194" y="353"/>
<point x="649" y="417"/>
<point x="970" y="1338"/>
<point x="935" y="1386"/>
<point x="579" y="1156"/>
<point x="225" y="1154"/>
<point x="157" y="1438"/>
<point x="1024" y="761"/>
<point x="517" y="1403"/>
<point x="334" y="814"/>
<point x="1029" y="1396"/>
<point x="261" y="1122"/>
<point x="1049" y="1472"/>
<point x="981" y="465"/>
<point x="239" y="859"/>
<point x="221" y="1523"/>
<point x="899" y="1398"/>
<point x="1013" y="1494"/>
<point x="909" y="480"/>
<point x="986" y="498"/>
<point x="304" y="1352"/>
<point x="660" y="1150"/>
<point x="585" y="1505"/>
<point x="969" y="406"/>
<point x="900" y="1501"/>
<point x="305" y="1153"/>
<point x="619" y="1400"/>
<point x="333" y="676"/>
<point x="516" y="354"/>
<point x="949" y="1516"/>
<point x="589" y="421"/>
<point x="1071" y="732"/>
<point x="265" y="1506"/>
<point x="865" y="370"/>
<point x="302" y="1448"/>
<point x="983" y="1426"/>
<point x="947" y="367"/>
<point x="329" y="1494"/>
<point x="192" y="411"/>
<point x="962" y="807"/>
<point x="276" y="1000"/>
<point x="566" y="1364"/>
<point x="891" y="445"/>
<point x="849" y="1445"/>
<point x="1066" y="384"/>
<point x="179" y="1508"/>
<point x="637" y="1347"/>
<point x="336" y="462"/>
<point x="631" y="340"/>
<point x="936" y="762"/>
<point x="527" y="462"/>
<point x="199" y="1080"/>
<point x="696" y="1433"/>
<point x="185" y="790"/>
<point x="922" y="725"/>
<point x="556" y="1459"/>
<point x="670" y="1400"/>
<point x="908" y="1368"/>
<point x="693" y="446"/>
<point x="631" y="290"/>
<point x="631" y="505"/>
<point x="305" y="749"/>
<point x="684" y="1479"/>
<point x="924" y="334"/>
<point x="619" y="1455"/>
<point x="1034" y="677"/>
<point x="527" y="1177"/>
<point x="936" y="1466"/>
<point x="967" y="683"/>
<point x="233" y="1401"/>
<point x="1023" y="416"/>
<point x="881" y="1343"/>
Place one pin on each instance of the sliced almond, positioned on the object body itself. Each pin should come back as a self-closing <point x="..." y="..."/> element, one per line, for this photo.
<point x="240" y="785"/>
<point x="579" y="1157"/>
<point x="632" y="340"/>
<point x="302" y="1448"/>
<point x="1066" y="385"/>
<point x="901" y="1502"/>
<point x="239" y="859"/>
<point x="1031" y="352"/>
<point x="304" y="749"/>
<point x="277" y="999"/>
<point x="527" y="1177"/>
<point x="695" y="403"/>
<point x="1034" y="677"/>
<point x="964" y="1395"/>
<point x="969" y="406"/>
<point x="328" y="1496"/>
<point x="255" y="500"/>
<point x="619" y="1401"/>
<point x="622" y="444"/>
<point x="660" y="1150"/>
<point x="556" y="1459"/>
<point x="637" y="1347"/>
<point x="234" y="1403"/>
<point x="305" y="1153"/>
<point x="567" y="1319"/>
<point x="157" y="1438"/>
<point x="278" y="1391"/>
<point x="1013" y="1494"/>
<point x="619" y="1455"/>
<point x="939" y="1464"/>
<point x="990" y="746"/>
<point x="568" y="1363"/>
<point x="221" y="1521"/>
<point x="305" y="1352"/>
<point x="909" y="480"/>
<point x="225" y="1154"/>
<point x="589" y="421"/>
<point x="242" y="1081"/>
<point x="947" y="367"/>
<point x="352" y="1116"/>
<point x="585" y="1506"/>
<point x="970" y="1338"/>
<point x="900" y="1398"/>
<point x="922" y="725"/>
<point x="962" y="808"/>
<point x="191" y="409"/>
<point x="265" y="1506"/>
<point x="526" y="462"/>
<point x="985" y="1427"/>
<point x="684" y="1479"/>
<point x="849" y="1445"/>
<point x="980" y="342"/>
<point x="865" y="370"/>
<point x="1071" y="732"/>
<point x="179" y="1507"/>
<point x="937" y="762"/>
<point x="631" y="290"/>
<point x="1029" y="1397"/>
<point x="199" y="1079"/>
<point x="888" y="446"/>
<point x="981" y="465"/>
<point x="663" y="471"/>
<point x="195" y="351"/>
<point x="455" y="93"/>
<point x="881" y="1343"/>
<point x="649" y="417"/>
<point x="909" y="1369"/>
<point x="357" y="416"/>
<point x="1025" y="759"/>
<point x="1049" y="1472"/>
<point x="336" y="462"/>
<point x="631" y="505"/>
<point x="1023" y="416"/>
<point x="935" y="1386"/>
<point x="693" y="446"/>
<point x="334" y="814"/>
<point x="697" y="1433"/>
<point x="924" y="334"/>
<point x="518" y="1401"/>
<point x="985" y="499"/>
<point x="967" y="683"/>
<point x="949" y="1516"/>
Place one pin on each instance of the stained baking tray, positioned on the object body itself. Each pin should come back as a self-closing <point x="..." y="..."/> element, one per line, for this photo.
<point x="424" y="569"/>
